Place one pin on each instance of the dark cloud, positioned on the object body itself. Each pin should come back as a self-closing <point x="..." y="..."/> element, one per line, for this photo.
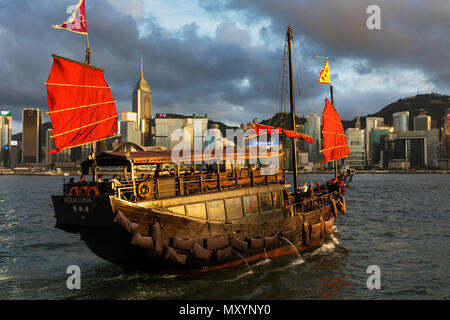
<point x="413" y="34"/>
<point x="226" y="74"/>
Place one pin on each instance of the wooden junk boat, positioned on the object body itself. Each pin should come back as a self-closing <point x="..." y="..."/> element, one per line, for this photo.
<point x="177" y="223"/>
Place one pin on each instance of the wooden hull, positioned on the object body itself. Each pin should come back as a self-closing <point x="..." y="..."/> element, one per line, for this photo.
<point x="146" y="237"/>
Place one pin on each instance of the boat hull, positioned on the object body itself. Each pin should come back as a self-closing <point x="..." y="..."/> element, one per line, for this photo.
<point x="108" y="226"/>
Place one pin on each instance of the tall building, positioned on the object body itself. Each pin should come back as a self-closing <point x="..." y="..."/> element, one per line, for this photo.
<point x="31" y="133"/>
<point x="447" y="134"/>
<point x="377" y="145"/>
<point x="128" y="127"/>
<point x="142" y="105"/>
<point x="422" y="123"/>
<point x="401" y="121"/>
<point x="312" y="128"/>
<point x="5" y="138"/>
<point x="371" y="122"/>
<point x="355" y="141"/>
<point x="49" y="145"/>
<point x="414" y="148"/>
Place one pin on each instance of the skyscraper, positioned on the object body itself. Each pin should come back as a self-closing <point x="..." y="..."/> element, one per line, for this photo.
<point x="5" y="138"/>
<point x="447" y="133"/>
<point x="371" y="122"/>
<point x="355" y="141"/>
<point x="422" y="123"/>
<point x="49" y="145"/>
<point x="142" y="105"/>
<point x="31" y="133"/>
<point x="312" y="128"/>
<point x="401" y="121"/>
<point x="128" y="125"/>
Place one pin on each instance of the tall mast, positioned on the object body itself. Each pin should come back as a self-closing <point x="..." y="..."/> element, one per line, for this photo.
<point x="88" y="62"/>
<point x="291" y="87"/>
<point x="332" y="103"/>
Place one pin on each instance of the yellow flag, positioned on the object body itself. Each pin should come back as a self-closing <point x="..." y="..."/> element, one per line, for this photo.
<point x="325" y="74"/>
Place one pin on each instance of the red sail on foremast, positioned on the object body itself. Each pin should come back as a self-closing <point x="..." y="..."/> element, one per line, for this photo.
<point x="82" y="108"/>
<point x="334" y="140"/>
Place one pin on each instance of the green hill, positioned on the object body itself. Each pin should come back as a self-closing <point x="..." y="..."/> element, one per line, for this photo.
<point x="433" y="104"/>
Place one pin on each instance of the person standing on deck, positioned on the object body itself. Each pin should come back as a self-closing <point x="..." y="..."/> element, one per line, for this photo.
<point x="157" y="171"/>
<point x="114" y="182"/>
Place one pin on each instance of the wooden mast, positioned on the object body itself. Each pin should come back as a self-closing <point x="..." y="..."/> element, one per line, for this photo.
<point x="291" y="89"/>
<point x="88" y="62"/>
<point x="332" y="103"/>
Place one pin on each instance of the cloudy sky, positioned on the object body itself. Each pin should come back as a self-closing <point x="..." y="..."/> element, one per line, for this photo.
<point x="223" y="57"/>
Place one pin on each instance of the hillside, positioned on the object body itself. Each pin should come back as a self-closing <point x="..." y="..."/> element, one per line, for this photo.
<point x="282" y="119"/>
<point x="434" y="105"/>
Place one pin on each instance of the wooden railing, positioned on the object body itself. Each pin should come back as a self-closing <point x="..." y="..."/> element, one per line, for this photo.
<point x="173" y="186"/>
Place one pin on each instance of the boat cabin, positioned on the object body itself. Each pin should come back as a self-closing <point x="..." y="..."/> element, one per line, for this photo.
<point x="153" y="175"/>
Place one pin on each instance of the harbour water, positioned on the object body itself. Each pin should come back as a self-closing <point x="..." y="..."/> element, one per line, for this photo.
<point x="400" y="223"/>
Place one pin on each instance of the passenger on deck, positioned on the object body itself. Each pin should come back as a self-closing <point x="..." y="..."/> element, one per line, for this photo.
<point x="100" y="178"/>
<point x="114" y="181"/>
<point x="310" y="192"/>
<point x="317" y="186"/>
<point x="304" y="188"/>
<point x="72" y="180"/>
<point x="172" y="172"/>
<point x="82" y="180"/>
<point x="157" y="171"/>
<point x="143" y="176"/>
<point x="298" y="194"/>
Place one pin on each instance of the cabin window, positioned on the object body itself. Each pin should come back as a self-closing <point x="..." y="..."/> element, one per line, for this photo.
<point x="196" y="210"/>
<point x="250" y="205"/>
<point x="276" y="200"/>
<point x="265" y="201"/>
<point x="216" y="210"/>
<point x="234" y="208"/>
<point x="178" y="210"/>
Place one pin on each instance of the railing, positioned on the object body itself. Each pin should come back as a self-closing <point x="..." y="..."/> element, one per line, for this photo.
<point x="315" y="202"/>
<point x="183" y="185"/>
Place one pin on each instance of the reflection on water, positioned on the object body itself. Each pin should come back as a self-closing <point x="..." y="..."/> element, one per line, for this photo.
<point x="398" y="222"/>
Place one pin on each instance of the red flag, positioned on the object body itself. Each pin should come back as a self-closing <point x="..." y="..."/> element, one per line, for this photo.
<point x="82" y="108"/>
<point x="334" y="140"/>
<point x="77" y="21"/>
<point x="289" y="133"/>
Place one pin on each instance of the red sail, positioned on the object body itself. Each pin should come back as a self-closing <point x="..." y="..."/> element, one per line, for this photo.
<point x="82" y="108"/>
<point x="289" y="133"/>
<point x="334" y="140"/>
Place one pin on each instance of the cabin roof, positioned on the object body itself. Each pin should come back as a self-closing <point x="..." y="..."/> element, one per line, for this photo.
<point x="159" y="157"/>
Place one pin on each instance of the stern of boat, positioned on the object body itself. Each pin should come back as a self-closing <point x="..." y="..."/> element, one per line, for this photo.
<point x="73" y="212"/>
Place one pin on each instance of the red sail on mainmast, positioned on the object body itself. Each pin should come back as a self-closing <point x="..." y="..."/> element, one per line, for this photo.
<point x="82" y="108"/>
<point x="334" y="140"/>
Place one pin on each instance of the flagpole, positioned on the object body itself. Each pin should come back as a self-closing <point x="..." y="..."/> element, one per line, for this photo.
<point x="88" y="51"/>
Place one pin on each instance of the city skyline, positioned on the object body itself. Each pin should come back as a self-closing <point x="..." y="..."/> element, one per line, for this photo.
<point x="222" y="56"/>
